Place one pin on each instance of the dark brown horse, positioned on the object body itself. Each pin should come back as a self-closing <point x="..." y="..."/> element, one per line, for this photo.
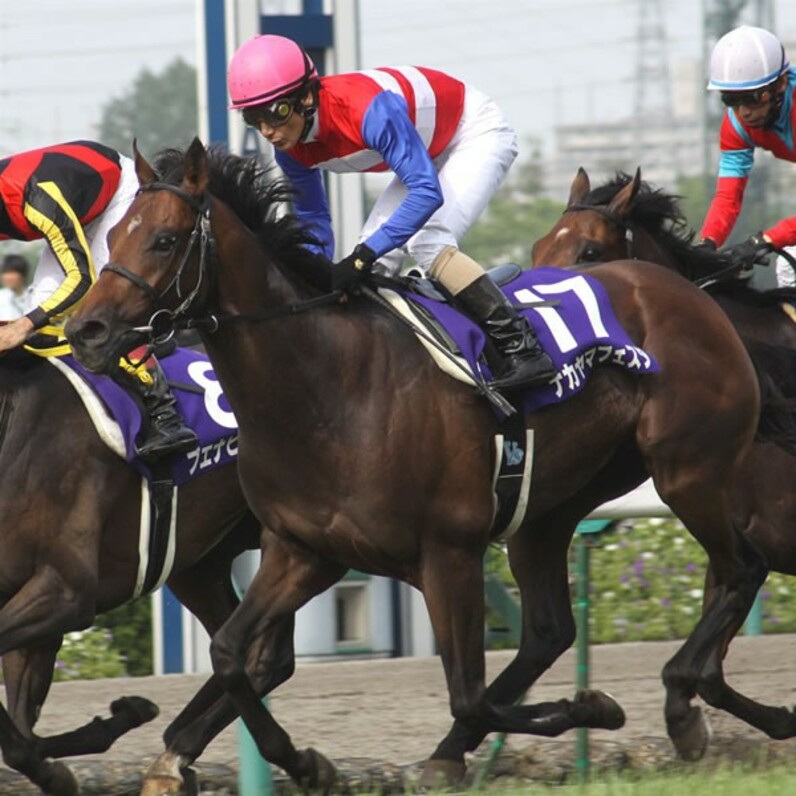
<point x="357" y="451"/>
<point x="70" y="550"/>
<point x="627" y="217"/>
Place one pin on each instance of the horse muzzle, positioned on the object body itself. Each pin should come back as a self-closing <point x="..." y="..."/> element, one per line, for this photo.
<point x="98" y="345"/>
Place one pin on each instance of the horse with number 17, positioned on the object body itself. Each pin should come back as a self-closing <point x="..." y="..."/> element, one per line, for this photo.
<point x="358" y="451"/>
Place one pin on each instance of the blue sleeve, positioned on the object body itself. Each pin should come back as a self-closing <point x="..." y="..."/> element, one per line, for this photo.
<point x="387" y="129"/>
<point x="737" y="163"/>
<point x="309" y="201"/>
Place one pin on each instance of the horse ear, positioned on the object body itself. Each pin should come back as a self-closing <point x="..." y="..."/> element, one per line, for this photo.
<point x="580" y="188"/>
<point x="145" y="172"/>
<point x="622" y="203"/>
<point x="195" y="168"/>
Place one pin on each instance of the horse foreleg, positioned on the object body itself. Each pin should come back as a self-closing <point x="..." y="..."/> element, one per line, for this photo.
<point x="547" y="630"/>
<point x="206" y="590"/>
<point x="211" y="709"/>
<point x="46" y="604"/>
<point x="27" y="676"/>
<point x="22" y="755"/>
<point x="288" y="577"/>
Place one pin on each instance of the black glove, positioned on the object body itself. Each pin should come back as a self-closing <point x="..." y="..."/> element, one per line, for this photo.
<point x="351" y="270"/>
<point x="706" y="245"/>
<point x="755" y="249"/>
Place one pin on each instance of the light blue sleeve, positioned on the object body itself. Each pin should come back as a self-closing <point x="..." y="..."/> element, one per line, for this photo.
<point x="736" y="163"/>
<point x="309" y="201"/>
<point x="387" y="129"/>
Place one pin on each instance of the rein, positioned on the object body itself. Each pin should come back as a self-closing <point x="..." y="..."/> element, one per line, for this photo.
<point x="705" y="281"/>
<point x="624" y="227"/>
<point x="163" y="323"/>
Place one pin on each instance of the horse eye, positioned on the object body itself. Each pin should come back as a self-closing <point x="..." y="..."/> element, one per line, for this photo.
<point x="164" y="243"/>
<point x="590" y="254"/>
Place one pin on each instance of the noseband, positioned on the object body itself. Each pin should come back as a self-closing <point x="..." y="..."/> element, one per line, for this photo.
<point x="163" y="322"/>
<point x="623" y="226"/>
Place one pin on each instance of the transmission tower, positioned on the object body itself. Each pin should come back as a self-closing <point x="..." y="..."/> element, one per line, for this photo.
<point x="652" y="109"/>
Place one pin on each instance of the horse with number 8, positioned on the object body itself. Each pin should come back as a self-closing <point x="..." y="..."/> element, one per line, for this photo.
<point x="357" y="451"/>
<point x="71" y="549"/>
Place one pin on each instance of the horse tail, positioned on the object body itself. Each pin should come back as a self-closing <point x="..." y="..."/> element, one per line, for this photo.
<point x="776" y="374"/>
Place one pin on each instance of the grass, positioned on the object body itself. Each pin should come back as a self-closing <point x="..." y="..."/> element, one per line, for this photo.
<point x="724" y="781"/>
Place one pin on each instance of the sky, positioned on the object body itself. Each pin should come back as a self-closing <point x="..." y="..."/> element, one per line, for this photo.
<point x="546" y="62"/>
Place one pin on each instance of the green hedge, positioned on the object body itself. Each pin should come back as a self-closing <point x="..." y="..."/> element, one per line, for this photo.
<point x="647" y="580"/>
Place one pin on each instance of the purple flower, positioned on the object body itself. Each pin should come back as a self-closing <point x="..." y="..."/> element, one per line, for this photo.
<point x="691" y="567"/>
<point x="666" y="602"/>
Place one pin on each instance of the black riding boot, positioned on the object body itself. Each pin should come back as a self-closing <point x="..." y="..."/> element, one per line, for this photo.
<point x="165" y="433"/>
<point x="524" y="363"/>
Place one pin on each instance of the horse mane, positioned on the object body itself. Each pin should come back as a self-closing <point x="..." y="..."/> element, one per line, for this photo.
<point x="258" y="197"/>
<point x="658" y="213"/>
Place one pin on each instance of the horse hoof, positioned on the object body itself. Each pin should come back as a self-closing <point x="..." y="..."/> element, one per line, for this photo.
<point x="318" y="774"/>
<point x="605" y="713"/>
<point x="60" y="781"/>
<point x="692" y="736"/>
<point x="138" y="709"/>
<point x="161" y="785"/>
<point x="441" y="774"/>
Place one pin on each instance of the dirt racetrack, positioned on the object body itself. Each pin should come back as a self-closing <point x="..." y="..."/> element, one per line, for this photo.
<point x="366" y="713"/>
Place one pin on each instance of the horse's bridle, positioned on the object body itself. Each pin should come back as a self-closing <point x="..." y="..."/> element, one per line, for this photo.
<point x="165" y="322"/>
<point x="623" y="226"/>
<point x="164" y="319"/>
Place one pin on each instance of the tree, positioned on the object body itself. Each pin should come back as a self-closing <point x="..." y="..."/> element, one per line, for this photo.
<point x="160" y="110"/>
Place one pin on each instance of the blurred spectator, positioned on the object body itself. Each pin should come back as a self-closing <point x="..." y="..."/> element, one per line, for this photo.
<point x="14" y="293"/>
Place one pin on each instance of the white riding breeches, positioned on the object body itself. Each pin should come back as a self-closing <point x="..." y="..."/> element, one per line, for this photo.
<point x="49" y="274"/>
<point x="471" y="169"/>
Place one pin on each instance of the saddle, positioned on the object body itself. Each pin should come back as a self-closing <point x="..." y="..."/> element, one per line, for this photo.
<point x="570" y="312"/>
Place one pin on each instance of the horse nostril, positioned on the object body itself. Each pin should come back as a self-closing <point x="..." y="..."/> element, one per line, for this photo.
<point x="93" y="332"/>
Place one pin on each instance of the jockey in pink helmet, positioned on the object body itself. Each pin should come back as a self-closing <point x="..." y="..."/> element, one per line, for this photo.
<point x="447" y="145"/>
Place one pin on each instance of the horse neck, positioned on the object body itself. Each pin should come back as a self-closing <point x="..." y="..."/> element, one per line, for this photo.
<point x="301" y="354"/>
<point x="647" y="248"/>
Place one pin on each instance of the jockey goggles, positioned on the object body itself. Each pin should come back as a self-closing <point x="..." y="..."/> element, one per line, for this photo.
<point x="274" y="114"/>
<point x="749" y="99"/>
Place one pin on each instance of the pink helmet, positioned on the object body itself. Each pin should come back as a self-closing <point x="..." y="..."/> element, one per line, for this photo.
<point x="266" y="68"/>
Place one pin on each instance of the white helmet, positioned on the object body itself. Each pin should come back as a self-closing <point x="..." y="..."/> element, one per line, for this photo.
<point x="746" y="59"/>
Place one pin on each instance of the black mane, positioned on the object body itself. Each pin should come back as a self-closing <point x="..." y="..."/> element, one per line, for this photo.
<point x="255" y="194"/>
<point x="659" y="214"/>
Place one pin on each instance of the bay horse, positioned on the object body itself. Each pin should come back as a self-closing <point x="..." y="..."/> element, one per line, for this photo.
<point x="627" y="217"/>
<point x="357" y="451"/>
<point x="70" y="550"/>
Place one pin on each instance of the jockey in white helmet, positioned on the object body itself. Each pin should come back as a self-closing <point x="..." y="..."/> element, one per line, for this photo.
<point x="750" y="68"/>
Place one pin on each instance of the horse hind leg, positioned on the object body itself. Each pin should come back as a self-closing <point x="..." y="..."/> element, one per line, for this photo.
<point x="778" y="723"/>
<point x="739" y="570"/>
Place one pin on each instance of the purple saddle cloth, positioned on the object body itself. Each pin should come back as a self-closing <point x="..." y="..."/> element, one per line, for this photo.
<point x="580" y="333"/>
<point x="200" y="402"/>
